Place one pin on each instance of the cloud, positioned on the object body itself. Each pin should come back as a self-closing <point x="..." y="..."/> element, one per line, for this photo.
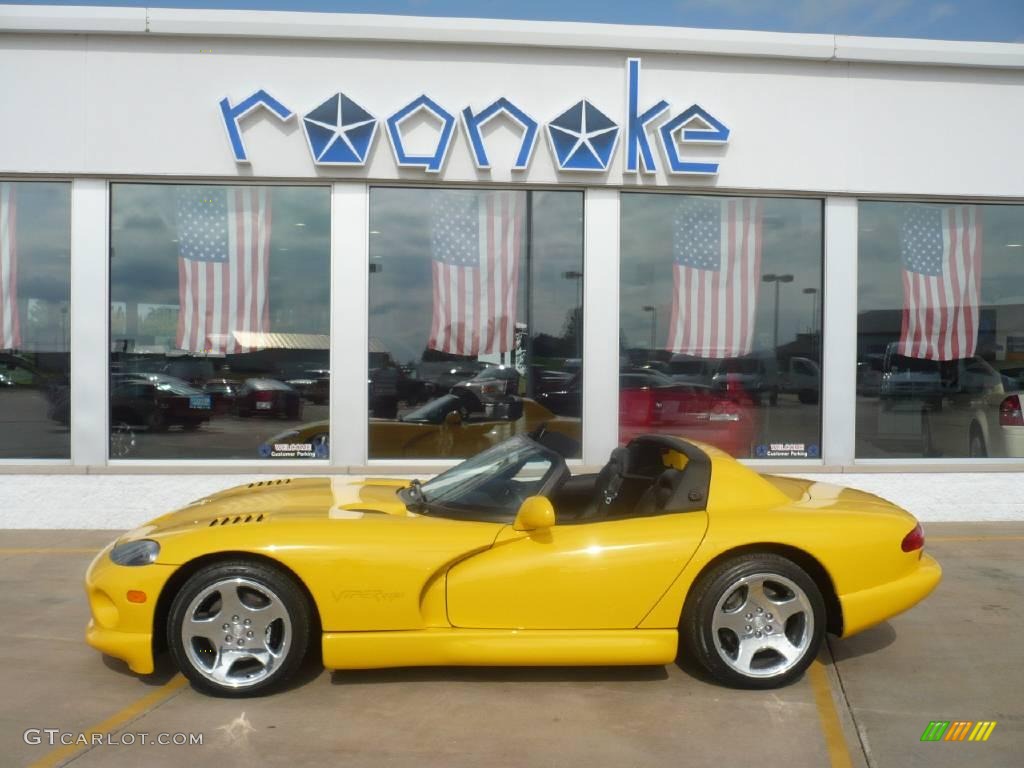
<point x="941" y="11"/>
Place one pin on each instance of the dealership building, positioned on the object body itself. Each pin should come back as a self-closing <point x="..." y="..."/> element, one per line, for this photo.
<point x="239" y="244"/>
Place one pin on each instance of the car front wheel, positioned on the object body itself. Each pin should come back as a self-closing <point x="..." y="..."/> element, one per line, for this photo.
<point x="754" y="621"/>
<point x="238" y="628"/>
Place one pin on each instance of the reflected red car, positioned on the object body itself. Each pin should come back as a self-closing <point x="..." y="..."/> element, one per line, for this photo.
<point x="653" y="403"/>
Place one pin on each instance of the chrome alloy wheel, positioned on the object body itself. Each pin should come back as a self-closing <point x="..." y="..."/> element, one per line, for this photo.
<point x="236" y="632"/>
<point x="763" y="625"/>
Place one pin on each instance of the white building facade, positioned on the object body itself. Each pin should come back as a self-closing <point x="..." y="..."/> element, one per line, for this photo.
<point x="239" y="243"/>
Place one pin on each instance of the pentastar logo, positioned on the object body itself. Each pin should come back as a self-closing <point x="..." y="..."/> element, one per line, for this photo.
<point x="583" y="138"/>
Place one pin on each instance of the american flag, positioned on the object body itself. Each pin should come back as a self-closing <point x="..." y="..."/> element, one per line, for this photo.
<point x="223" y="259"/>
<point x="10" y="327"/>
<point x="716" y="246"/>
<point x="941" y="252"/>
<point x="475" y="245"/>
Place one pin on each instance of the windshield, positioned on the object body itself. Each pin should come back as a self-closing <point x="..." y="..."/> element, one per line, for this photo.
<point x="434" y="411"/>
<point x="492" y="485"/>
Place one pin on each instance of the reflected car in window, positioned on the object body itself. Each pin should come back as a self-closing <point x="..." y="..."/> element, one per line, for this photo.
<point x="157" y="402"/>
<point x="489" y="386"/>
<point x="757" y="375"/>
<point x="222" y="393"/>
<point x="651" y="402"/>
<point x="803" y="379"/>
<point x="442" y="429"/>
<point x="311" y="380"/>
<point x="978" y="413"/>
<point x="268" y="397"/>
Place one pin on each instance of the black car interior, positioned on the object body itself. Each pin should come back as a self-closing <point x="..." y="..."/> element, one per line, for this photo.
<point x="636" y="482"/>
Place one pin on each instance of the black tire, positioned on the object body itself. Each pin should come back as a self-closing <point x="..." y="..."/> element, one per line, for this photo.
<point x="191" y="426"/>
<point x="808" y="396"/>
<point x="773" y="398"/>
<point x="280" y="585"/>
<point x="722" y="583"/>
<point x="976" y="448"/>
<point x="156" y="421"/>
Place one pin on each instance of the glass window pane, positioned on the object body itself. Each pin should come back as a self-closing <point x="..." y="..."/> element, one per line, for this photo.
<point x="35" y="358"/>
<point x="720" y="308"/>
<point x="940" y="347"/>
<point x="475" y="318"/>
<point x="219" y="322"/>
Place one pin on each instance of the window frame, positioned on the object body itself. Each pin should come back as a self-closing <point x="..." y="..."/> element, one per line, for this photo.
<point x="255" y="464"/>
<point x="12" y="463"/>
<point x="923" y="463"/>
<point x="440" y="465"/>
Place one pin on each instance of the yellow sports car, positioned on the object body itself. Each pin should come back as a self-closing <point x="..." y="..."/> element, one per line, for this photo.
<point x="507" y="559"/>
<point x="440" y="429"/>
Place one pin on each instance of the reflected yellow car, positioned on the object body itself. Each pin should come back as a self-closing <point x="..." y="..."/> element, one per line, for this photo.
<point x="508" y="559"/>
<point x="441" y="429"/>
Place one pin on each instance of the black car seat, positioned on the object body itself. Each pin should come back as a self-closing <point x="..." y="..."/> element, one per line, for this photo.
<point x="608" y="485"/>
<point x="656" y="498"/>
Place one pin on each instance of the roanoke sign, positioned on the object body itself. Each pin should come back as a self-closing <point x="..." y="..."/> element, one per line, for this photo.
<point x="341" y="132"/>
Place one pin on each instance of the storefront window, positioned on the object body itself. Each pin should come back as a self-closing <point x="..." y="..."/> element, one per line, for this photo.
<point x="475" y="319"/>
<point x="940" y="347"/>
<point x="720" y="307"/>
<point x="219" y="322"/>
<point x="35" y="358"/>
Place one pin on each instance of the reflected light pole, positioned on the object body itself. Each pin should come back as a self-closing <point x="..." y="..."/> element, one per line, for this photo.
<point x="813" y="292"/>
<point x="574" y="274"/>
<point x="654" y="323"/>
<point x="777" y="279"/>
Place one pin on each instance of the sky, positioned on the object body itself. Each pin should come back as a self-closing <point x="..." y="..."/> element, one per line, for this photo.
<point x="992" y="20"/>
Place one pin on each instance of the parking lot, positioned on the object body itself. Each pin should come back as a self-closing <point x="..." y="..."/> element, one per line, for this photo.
<point x="866" y="702"/>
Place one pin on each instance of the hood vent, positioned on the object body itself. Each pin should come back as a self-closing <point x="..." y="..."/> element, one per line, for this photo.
<point x="267" y="483"/>
<point x="236" y="519"/>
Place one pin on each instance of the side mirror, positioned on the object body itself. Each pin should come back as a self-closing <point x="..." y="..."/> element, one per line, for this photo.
<point x="536" y="513"/>
<point x="453" y="419"/>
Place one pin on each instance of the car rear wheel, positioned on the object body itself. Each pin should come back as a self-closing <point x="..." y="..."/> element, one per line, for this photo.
<point x="754" y="621"/>
<point x="976" y="447"/>
<point x="238" y="628"/>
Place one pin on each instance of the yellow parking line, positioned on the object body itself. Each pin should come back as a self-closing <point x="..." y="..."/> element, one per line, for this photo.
<point x="49" y="550"/>
<point x="932" y="539"/>
<point x="831" y="728"/>
<point x="115" y="721"/>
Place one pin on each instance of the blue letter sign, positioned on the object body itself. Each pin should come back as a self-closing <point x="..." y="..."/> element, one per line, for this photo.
<point x="473" y="124"/>
<point x="232" y="115"/>
<point x="430" y="163"/>
<point x="341" y="132"/>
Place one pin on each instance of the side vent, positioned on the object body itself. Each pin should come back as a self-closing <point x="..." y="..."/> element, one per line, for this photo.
<point x="266" y="483"/>
<point x="236" y="519"/>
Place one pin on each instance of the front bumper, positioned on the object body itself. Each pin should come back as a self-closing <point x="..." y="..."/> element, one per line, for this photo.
<point x="868" y="607"/>
<point x="120" y="628"/>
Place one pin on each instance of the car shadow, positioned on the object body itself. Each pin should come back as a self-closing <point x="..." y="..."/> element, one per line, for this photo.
<point x="863" y="643"/>
<point x="498" y="675"/>
<point x="692" y="668"/>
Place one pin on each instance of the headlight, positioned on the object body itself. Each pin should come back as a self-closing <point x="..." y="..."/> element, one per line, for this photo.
<point x="141" y="552"/>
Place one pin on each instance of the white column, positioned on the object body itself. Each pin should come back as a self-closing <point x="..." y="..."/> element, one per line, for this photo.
<point x="349" y="322"/>
<point x="600" y="325"/>
<point x="90" y="308"/>
<point x="839" y="340"/>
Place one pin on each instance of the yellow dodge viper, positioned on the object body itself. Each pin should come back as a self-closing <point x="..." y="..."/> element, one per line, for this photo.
<point x="508" y="559"/>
